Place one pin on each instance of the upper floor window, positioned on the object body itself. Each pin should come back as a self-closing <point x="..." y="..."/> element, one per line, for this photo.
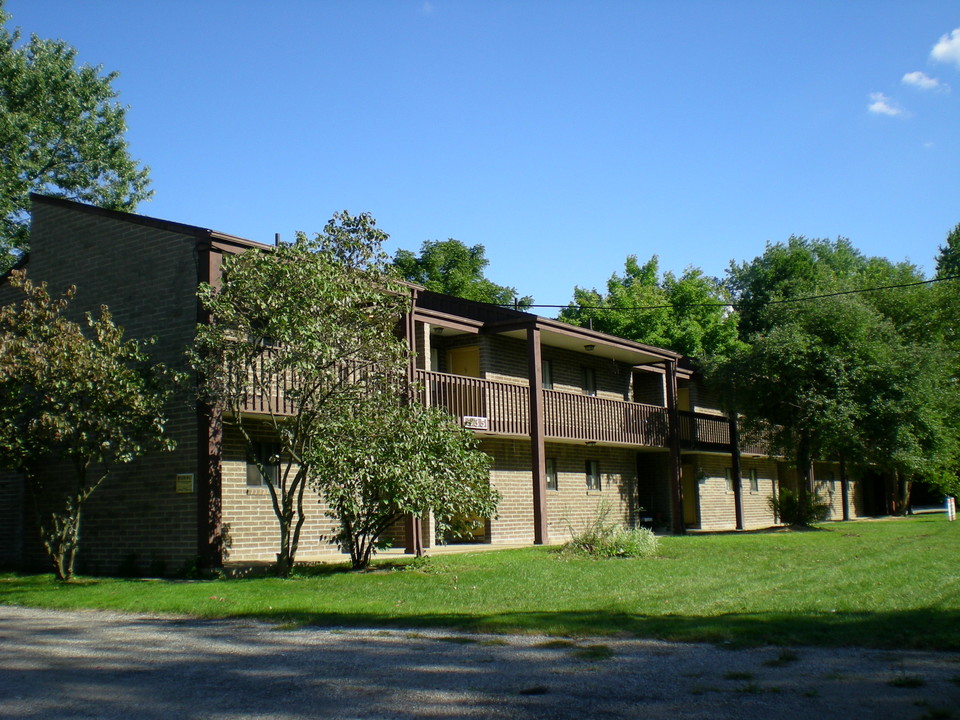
<point x="546" y="374"/>
<point x="551" y="472"/>
<point x="589" y="381"/>
<point x="593" y="475"/>
<point x="268" y="455"/>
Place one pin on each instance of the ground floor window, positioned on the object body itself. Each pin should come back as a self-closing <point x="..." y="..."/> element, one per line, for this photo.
<point x="754" y="482"/>
<point x="593" y="475"/>
<point x="551" y="472"/>
<point x="268" y="455"/>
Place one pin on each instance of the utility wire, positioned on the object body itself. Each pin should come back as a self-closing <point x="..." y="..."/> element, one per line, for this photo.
<point x="734" y="305"/>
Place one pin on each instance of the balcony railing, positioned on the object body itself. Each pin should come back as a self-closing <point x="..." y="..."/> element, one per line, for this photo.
<point x="580" y="417"/>
<point x="501" y="408"/>
<point x="504" y="409"/>
<point x="496" y="407"/>
<point x="702" y="431"/>
<point x="272" y="397"/>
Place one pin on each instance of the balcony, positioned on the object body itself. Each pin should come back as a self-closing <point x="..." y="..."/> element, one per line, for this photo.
<point x="502" y="408"/>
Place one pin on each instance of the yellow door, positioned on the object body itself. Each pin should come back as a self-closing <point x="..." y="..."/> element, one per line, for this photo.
<point x="464" y="361"/>
<point x="691" y="496"/>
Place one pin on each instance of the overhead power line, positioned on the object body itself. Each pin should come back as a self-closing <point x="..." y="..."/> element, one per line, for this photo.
<point x="734" y="305"/>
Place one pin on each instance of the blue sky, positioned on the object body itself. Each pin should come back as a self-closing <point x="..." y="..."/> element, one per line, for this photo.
<point x="561" y="135"/>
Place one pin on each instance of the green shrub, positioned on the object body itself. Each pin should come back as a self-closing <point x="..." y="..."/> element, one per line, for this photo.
<point x="604" y="539"/>
<point x="794" y="509"/>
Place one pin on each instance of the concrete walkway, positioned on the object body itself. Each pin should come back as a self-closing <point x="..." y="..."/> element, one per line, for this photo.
<point x="107" y="665"/>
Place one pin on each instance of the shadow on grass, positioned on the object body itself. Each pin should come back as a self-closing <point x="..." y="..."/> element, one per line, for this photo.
<point x="917" y="629"/>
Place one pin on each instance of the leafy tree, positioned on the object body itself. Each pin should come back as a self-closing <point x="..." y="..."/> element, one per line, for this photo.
<point x="305" y="328"/>
<point x="80" y="403"/>
<point x="687" y="314"/>
<point x="61" y="133"/>
<point x="859" y="376"/>
<point x="385" y="458"/>
<point x="450" y="267"/>
<point x="948" y="259"/>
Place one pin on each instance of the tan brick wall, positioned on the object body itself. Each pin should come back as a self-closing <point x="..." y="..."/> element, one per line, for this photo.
<point x="251" y="525"/>
<point x="717" y="504"/>
<point x="571" y="505"/>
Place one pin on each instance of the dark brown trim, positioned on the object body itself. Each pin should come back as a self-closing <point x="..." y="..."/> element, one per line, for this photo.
<point x="737" y="472"/>
<point x="434" y="317"/>
<point x="562" y="328"/>
<point x="845" y="489"/>
<point x="673" y="431"/>
<point x="209" y="446"/>
<point x="537" y="448"/>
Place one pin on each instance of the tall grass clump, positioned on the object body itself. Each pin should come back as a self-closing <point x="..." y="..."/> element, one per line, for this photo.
<point x="602" y="538"/>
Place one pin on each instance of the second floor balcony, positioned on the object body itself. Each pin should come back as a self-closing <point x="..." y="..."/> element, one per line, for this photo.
<point x="502" y="408"/>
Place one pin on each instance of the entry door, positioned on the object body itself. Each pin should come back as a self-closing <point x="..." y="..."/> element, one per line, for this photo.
<point x="691" y="496"/>
<point x="464" y="361"/>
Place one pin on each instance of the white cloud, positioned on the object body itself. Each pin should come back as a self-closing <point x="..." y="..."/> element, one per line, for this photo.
<point x="880" y="104"/>
<point x="948" y="49"/>
<point x="924" y="81"/>
<point x="426" y="8"/>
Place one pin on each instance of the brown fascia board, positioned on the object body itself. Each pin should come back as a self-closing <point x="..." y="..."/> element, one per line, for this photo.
<point x="221" y="241"/>
<point x="441" y="319"/>
<point x="594" y="336"/>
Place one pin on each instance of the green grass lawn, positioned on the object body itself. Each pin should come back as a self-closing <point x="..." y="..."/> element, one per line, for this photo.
<point x="888" y="583"/>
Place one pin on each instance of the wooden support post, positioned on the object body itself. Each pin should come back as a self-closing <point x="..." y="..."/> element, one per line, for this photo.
<point x="207" y="484"/>
<point x="537" y="450"/>
<point x="736" y="471"/>
<point x="413" y="535"/>
<point x="845" y="489"/>
<point x="673" y="433"/>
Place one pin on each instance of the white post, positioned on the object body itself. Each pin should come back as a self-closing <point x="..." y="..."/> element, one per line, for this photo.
<point x="951" y="509"/>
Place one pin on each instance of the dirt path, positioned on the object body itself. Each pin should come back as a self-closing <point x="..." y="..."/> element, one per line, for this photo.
<point x="107" y="665"/>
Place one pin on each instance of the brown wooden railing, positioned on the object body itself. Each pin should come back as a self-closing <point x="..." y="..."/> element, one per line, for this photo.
<point x="504" y="409"/>
<point x="580" y="417"/>
<point x="272" y="397"/>
<point x="701" y="431"/>
<point x="496" y="407"/>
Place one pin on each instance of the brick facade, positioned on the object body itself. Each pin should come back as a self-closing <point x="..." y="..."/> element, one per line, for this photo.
<point x="147" y="272"/>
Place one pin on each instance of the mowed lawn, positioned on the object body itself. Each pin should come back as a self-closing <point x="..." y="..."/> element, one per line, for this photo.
<point x="883" y="583"/>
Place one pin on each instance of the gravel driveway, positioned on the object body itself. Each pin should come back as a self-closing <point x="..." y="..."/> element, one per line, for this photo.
<point x="108" y="665"/>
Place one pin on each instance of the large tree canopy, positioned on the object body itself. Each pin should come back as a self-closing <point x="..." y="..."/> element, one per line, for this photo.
<point x="687" y="314"/>
<point x="73" y="400"/>
<point x="450" y="267"/>
<point x="61" y="134"/>
<point x="859" y="374"/>
<point x="309" y="330"/>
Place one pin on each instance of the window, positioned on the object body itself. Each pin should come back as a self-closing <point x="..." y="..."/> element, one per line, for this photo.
<point x="268" y="454"/>
<point x="589" y="381"/>
<point x="551" y="472"/>
<point x="546" y="374"/>
<point x="729" y="479"/>
<point x="593" y="475"/>
<point x="754" y="483"/>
